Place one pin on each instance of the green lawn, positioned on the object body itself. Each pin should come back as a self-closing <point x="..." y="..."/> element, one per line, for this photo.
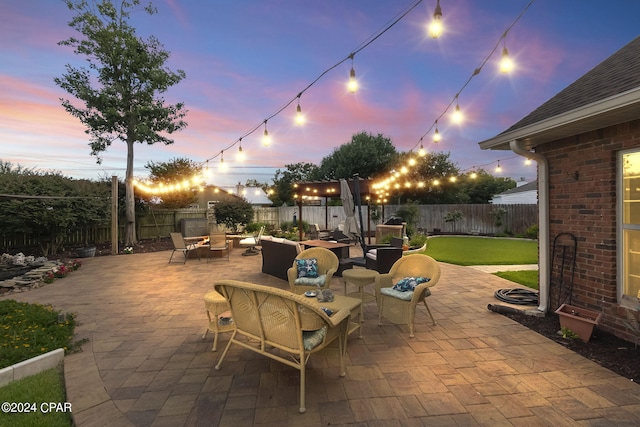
<point x="482" y="250"/>
<point x="528" y="278"/>
<point x="38" y="391"/>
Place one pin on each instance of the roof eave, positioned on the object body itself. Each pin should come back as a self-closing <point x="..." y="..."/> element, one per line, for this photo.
<point x="607" y="112"/>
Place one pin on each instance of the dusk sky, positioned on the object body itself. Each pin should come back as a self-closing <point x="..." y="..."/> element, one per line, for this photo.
<point x="245" y="59"/>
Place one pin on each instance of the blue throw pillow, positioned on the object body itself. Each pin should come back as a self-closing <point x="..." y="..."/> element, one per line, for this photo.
<point x="307" y="267"/>
<point x="409" y="283"/>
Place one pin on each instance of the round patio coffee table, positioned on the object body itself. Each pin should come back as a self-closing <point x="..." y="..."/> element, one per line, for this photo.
<point x="360" y="277"/>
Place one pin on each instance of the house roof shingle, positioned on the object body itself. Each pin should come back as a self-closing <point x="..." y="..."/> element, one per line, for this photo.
<point x="606" y="95"/>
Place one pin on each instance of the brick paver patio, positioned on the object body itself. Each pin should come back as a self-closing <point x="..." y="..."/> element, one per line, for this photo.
<point x="146" y="364"/>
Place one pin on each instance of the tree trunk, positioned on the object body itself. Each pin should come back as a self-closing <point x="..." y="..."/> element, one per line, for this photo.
<point x="130" y="202"/>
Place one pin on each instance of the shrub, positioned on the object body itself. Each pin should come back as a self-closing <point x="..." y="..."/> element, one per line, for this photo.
<point x="532" y="232"/>
<point x="418" y="239"/>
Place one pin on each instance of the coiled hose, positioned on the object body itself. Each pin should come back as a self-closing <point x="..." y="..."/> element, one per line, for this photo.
<point x="518" y="296"/>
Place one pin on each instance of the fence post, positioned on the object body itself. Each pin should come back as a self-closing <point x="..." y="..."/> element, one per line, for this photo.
<point x="114" y="215"/>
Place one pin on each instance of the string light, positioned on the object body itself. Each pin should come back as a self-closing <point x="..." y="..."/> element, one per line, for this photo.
<point x="506" y="63"/>
<point x="498" y="167"/>
<point x="300" y="119"/>
<point x="456" y="117"/>
<point x="421" y="151"/>
<point x="353" y="83"/>
<point x="435" y="28"/>
<point x="436" y="134"/>
<point x="266" y="138"/>
<point x="241" y="156"/>
<point x="223" y="166"/>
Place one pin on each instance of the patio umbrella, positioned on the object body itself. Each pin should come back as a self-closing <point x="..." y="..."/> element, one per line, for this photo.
<point x="350" y="224"/>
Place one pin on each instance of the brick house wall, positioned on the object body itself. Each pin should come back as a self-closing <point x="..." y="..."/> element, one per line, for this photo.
<point x="582" y="201"/>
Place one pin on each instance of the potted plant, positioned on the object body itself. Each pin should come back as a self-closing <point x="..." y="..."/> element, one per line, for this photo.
<point x="578" y="320"/>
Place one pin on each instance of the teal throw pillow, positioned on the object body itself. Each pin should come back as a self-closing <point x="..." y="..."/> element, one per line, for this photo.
<point x="409" y="283"/>
<point x="307" y="267"/>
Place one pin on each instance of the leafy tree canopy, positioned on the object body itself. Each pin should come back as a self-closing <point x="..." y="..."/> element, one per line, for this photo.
<point x="178" y="170"/>
<point x="119" y="90"/>
<point x="484" y="186"/>
<point x="284" y="180"/>
<point x="365" y="154"/>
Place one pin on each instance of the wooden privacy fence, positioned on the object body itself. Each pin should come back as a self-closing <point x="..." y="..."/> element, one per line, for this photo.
<point x="473" y="219"/>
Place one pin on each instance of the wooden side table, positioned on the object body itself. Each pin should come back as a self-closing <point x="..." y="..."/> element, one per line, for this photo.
<point x="219" y="316"/>
<point x="360" y="277"/>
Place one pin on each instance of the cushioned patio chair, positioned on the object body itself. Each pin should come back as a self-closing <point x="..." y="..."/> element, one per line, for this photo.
<point x="179" y="245"/>
<point x="283" y="326"/>
<point x="326" y="266"/>
<point x="218" y="242"/>
<point x="400" y="307"/>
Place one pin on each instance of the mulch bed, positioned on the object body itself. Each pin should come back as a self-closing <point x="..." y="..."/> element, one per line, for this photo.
<point x="607" y="350"/>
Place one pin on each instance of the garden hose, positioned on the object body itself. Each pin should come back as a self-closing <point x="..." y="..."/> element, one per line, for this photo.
<point x="517" y="296"/>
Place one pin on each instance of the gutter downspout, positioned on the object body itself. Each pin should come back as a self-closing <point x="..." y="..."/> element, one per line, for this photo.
<point x="544" y="264"/>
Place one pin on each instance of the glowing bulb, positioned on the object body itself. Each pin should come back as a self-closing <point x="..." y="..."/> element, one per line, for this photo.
<point x="436" y="182"/>
<point x="436" y="136"/>
<point x="300" y="119"/>
<point x="527" y="162"/>
<point x="241" y="156"/>
<point x="353" y="83"/>
<point x="412" y="161"/>
<point x="453" y="179"/>
<point x="223" y="165"/>
<point x="435" y="28"/>
<point x="421" y="151"/>
<point x="457" y="115"/>
<point x="473" y="175"/>
<point x="266" y="139"/>
<point x="506" y="63"/>
<point x="498" y="168"/>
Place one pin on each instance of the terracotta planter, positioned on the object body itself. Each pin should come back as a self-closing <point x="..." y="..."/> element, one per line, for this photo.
<point x="579" y="320"/>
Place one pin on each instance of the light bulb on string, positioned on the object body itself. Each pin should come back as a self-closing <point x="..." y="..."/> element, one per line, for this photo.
<point x="353" y="83"/>
<point x="266" y="138"/>
<point x="527" y="162"/>
<point x="207" y="172"/>
<point x="498" y="167"/>
<point x="300" y="119"/>
<point x="436" y="134"/>
<point x="241" y="156"/>
<point x="457" y="117"/>
<point x="223" y="166"/>
<point x="435" y="27"/>
<point x="473" y="175"/>
<point x="421" y="151"/>
<point x="506" y="63"/>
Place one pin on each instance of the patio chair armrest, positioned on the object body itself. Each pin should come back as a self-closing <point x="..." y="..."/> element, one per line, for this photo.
<point x="338" y="317"/>
<point x="383" y="281"/>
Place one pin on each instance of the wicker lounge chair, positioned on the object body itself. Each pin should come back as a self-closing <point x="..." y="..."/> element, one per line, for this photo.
<point x="400" y="307"/>
<point x="287" y="327"/>
<point x="327" y="266"/>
